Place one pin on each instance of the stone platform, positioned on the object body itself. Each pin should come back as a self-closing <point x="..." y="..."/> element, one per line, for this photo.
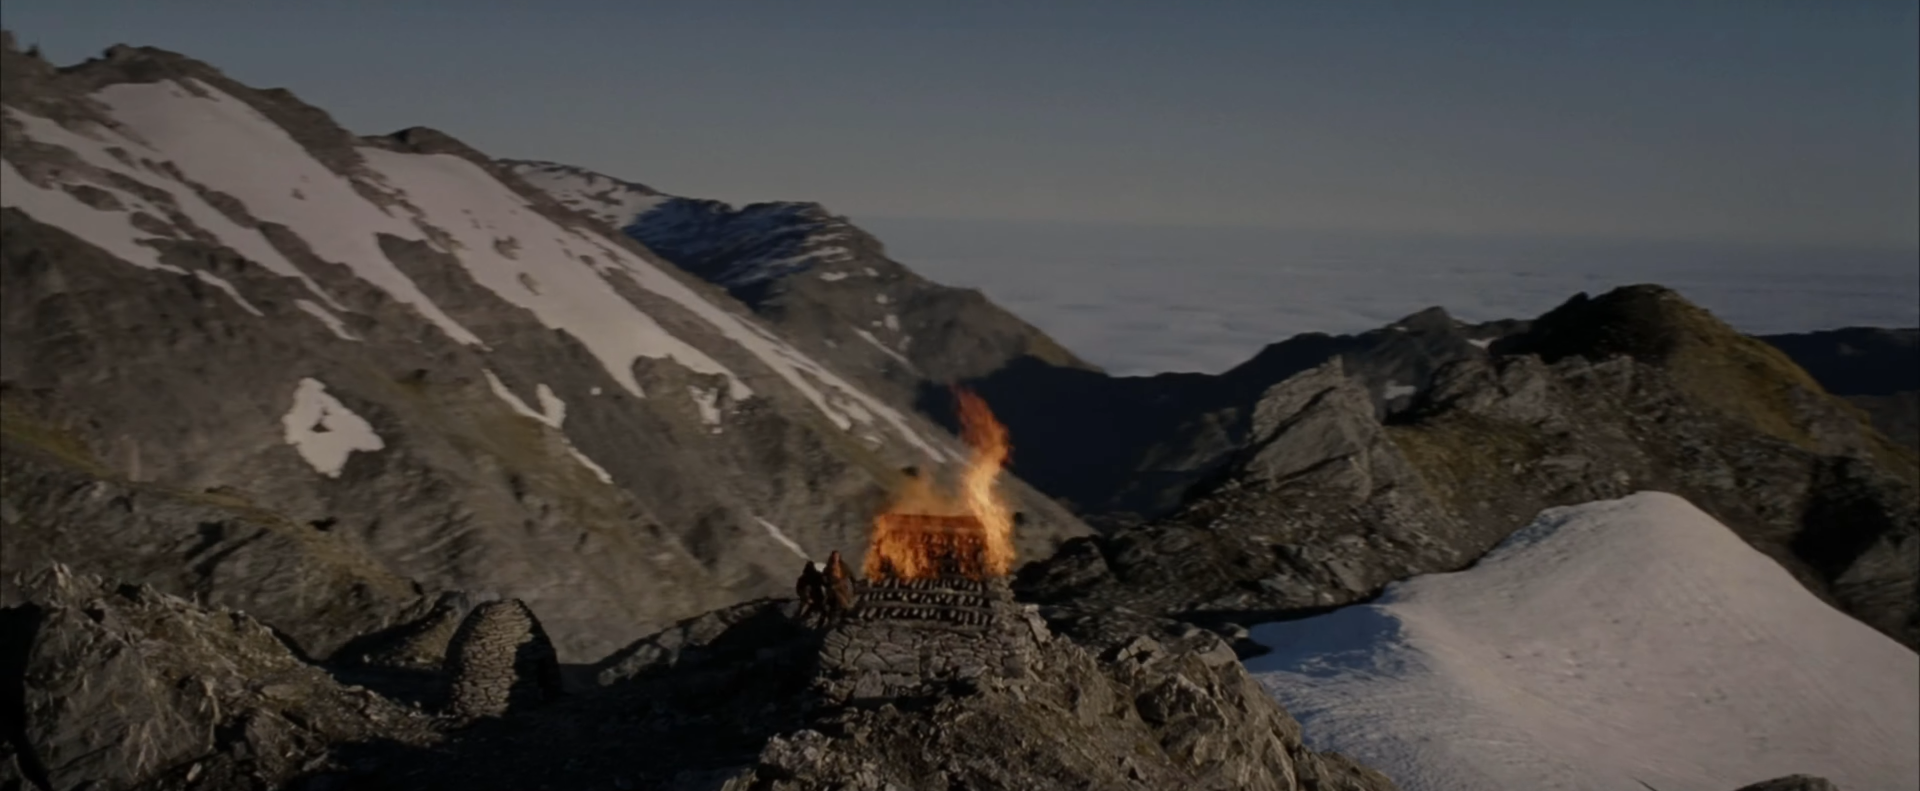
<point x="906" y="637"/>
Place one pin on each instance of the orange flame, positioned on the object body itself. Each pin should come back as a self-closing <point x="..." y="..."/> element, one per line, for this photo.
<point x="926" y="532"/>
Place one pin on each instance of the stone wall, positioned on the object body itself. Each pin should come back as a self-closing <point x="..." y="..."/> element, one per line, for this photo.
<point x="911" y="637"/>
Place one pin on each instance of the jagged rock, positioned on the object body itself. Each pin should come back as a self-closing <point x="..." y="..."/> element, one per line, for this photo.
<point x="1793" y="783"/>
<point x="122" y="686"/>
<point x="1325" y="504"/>
<point x="754" y="701"/>
<point x="1126" y="449"/>
<point x="500" y="660"/>
<point x="1322" y="508"/>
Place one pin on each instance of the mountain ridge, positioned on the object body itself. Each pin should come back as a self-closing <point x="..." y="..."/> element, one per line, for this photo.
<point x="470" y="324"/>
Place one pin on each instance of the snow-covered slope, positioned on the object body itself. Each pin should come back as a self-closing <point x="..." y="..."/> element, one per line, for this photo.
<point x="1612" y="646"/>
<point x="211" y="288"/>
<point x="828" y="284"/>
<point x="605" y="198"/>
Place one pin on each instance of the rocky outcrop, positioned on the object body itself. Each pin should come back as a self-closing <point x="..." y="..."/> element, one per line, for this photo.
<point x="113" y="685"/>
<point x="909" y="693"/>
<point x="1322" y="509"/>
<point x="1326" y="503"/>
<point x="1123" y="450"/>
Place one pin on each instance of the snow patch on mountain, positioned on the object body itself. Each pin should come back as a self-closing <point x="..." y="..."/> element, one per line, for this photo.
<point x="604" y="198"/>
<point x="587" y="462"/>
<point x="708" y="402"/>
<point x="107" y="229"/>
<point x="221" y="283"/>
<point x="875" y="342"/>
<point x="1612" y="646"/>
<point x="784" y="540"/>
<point x="552" y="414"/>
<point x="225" y="145"/>
<point x="499" y="237"/>
<point x="842" y="403"/>
<point x="334" y="324"/>
<point x="552" y="411"/>
<point x="324" y="431"/>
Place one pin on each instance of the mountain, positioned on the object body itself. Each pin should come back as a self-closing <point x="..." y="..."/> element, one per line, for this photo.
<point x="1876" y="369"/>
<point x="819" y="278"/>
<point x="252" y="358"/>
<point x="1609" y="646"/>
<point x="357" y="462"/>
<point x="1327" y="500"/>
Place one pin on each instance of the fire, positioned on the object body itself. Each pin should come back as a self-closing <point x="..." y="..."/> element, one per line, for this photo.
<point x="926" y="532"/>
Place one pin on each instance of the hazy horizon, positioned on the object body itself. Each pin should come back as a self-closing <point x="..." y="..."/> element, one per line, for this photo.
<point x="1141" y="300"/>
<point x="1756" y="123"/>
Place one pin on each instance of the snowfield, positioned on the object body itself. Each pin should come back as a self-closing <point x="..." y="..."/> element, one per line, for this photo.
<point x="1611" y="646"/>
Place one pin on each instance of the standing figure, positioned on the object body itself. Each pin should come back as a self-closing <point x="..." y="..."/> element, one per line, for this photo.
<point x="839" y="585"/>
<point x="812" y="591"/>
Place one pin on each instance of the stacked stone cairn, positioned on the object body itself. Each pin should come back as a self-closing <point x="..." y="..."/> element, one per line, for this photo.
<point x="500" y="660"/>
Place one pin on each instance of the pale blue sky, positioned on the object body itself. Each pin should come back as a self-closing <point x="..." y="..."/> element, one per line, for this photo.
<point x="1768" y="121"/>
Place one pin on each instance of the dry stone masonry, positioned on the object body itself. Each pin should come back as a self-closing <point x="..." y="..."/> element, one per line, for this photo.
<point x="911" y="637"/>
<point x="500" y="660"/>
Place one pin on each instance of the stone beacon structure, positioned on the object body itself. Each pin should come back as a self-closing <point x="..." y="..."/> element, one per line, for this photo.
<point x="906" y="637"/>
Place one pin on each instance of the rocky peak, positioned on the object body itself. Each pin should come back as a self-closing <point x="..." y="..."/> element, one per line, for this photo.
<point x="743" y="249"/>
<point x="1647" y="322"/>
<point x="1731" y="373"/>
<point x="820" y="277"/>
<point x="1432" y="319"/>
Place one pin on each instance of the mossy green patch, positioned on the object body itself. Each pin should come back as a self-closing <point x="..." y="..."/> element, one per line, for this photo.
<point x="1722" y="370"/>
<point x="1458" y="455"/>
